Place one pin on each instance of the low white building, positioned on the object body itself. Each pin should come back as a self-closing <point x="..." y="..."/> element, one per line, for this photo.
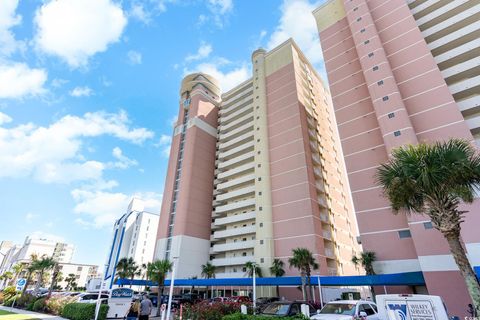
<point x="83" y="273"/>
<point x="134" y="235"/>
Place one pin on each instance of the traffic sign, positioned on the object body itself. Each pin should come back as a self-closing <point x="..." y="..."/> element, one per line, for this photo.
<point x="21" y="283"/>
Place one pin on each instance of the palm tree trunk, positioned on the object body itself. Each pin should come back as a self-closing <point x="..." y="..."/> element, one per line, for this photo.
<point x="27" y="282"/>
<point x="304" y="292"/>
<point x="309" y="281"/>
<point x="466" y="270"/>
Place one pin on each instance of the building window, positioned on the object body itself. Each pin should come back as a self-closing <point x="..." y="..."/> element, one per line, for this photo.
<point x="244" y="254"/>
<point x="244" y="269"/>
<point x="259" y="193"/>
<point x="404" y="234"/>
<point x="362" y="31"/>
<point x="391" y="115"/>
<point x="260" y="179"/>
<point x="262" y="260"/>
<point x="261" y="241"/>
<point x="380" y="83"/>
<point x="355" y="9"/>
<point x="260" y="208"/>
<point x="397" y="133"/>
<point x="428" y="225"/>
<point x="385" y="98"/>
<point x="359" y="19"/>
<point x="366" y="42"/>
<point x="370" y="54"/>
<point x="375" y="68"/>
<point x="261" y="224"/>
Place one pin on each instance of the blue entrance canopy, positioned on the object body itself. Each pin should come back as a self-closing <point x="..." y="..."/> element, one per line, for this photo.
<point x="396" y="279"/>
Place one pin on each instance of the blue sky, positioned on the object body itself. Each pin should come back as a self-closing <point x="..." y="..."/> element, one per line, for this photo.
<point x="89" y="92"/>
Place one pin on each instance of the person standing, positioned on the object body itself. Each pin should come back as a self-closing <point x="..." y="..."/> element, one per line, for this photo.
<point x="145" y="308"/>
<point x="132" y="313"/>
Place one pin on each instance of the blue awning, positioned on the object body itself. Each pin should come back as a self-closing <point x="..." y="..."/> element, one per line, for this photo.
<point x="396" y="279"/>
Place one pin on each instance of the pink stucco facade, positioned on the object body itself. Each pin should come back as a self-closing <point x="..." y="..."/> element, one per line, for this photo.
<point x="387" y="92"/>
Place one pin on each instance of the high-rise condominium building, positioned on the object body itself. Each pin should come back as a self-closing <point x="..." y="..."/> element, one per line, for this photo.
<point x="403" y="72"/>
<point x="134" y="236"/>
<point x="257" y="171"/>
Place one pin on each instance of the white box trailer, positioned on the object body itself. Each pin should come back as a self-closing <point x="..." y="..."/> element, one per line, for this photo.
<point x="411" y="307"/>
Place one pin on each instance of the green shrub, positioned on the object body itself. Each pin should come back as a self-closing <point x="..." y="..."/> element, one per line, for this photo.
<point x="55" y="304"/>
<point x="8" y="302"/>
<point x="83" y="311"/>
<point x="8" y="292"/>
<point x="39" y="305"/>
<point x="26" y="301"/>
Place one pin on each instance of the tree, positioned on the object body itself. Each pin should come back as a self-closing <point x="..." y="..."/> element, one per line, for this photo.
<point x="158" y="271"/>
<point x="7" y="276"/>
<point x="250" y="267"/>
<point x="127" y="268"/>
<point x="304" y="261"/>
<point x="433" y="179"/>
<point x="277" y="270"/>
<point x="31" y="270"/>
<point x="55" y="278"/>
<point x="366" y="260"/>
<point x="17" y="270"/>
<point x="71" y="282"/>
<point x="41" y="266"/>
<point x="208" y="270"/>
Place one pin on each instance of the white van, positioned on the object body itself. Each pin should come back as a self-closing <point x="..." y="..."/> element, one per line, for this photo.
<point x="411" y="307"/>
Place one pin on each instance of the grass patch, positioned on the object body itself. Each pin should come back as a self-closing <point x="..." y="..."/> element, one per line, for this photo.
<point x="7" y="315"/>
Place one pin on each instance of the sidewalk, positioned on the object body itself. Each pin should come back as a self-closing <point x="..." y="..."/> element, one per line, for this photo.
<point x="31" y="314"/>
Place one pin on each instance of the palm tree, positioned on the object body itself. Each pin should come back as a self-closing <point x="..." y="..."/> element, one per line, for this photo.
<point x="70" y="280"/>
<point x="31" y="270"/>
<point x="127" y="268"/>
<point x="17" y="270"/>
<point x="250" y="267"/>
<point x="7" y="276"/>
<point x="208" y="270"/>
<point x="304" y="261"/>
<point x="158" y="271"/>
<point x="277" y="270"/>
<point x="55" y="278"/>
<point x="433" y="179"/>
<point x="366" y="260"/>
<point x="44" y="264"/>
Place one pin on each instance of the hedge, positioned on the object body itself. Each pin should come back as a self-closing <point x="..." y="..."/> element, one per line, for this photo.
<point x="84" y="311"/>
<point x="39" y="305"/>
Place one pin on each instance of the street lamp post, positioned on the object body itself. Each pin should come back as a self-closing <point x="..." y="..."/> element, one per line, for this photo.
<point x="170" y="294"/>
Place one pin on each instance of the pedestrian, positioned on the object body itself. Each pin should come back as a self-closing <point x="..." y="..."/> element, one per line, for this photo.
<point x="132" y="313"/>
<point x="145" y="308"/>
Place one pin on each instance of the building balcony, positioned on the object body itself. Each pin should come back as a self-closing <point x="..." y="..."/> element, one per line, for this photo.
<point x="234" y="261"/>
<point x="469" y="103"/>
<point x="235" y="218"/>
<point x="234" y="232"/>
<point x="244" y="138"/>
<point x="243" y="102"/>
<point x="329" y="253"/>
<point x="454" y="39"/>
<point x="464" y="85"/>
<point x="235" y="206"/>
<point x="234" y="152"/>
<point x="239" y="245"/>
<point x="236" y="115"/>
<point x="324" y="218"/>
<point x="243" y="192"/>
<point x="225" y="137"/>
<point x="327" y="235"/>
<point x="467" y="69"/>
<point x="236" y="171"/>
<point x="431" y="12"/>
<point x="244" y="158"/>
<point x="457" y="55"/>
<point x="246" y="179"/>
<point x="236" y="124"/>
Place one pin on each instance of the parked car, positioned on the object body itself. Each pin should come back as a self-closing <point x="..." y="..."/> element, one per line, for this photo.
<point x="411" y="306"/>
<point x="263" y="302"/>
<point x="286" y="308"/>
<point x="239" y="299"/>
<point x="91" y="298"/>
<point x="348" y="309"/>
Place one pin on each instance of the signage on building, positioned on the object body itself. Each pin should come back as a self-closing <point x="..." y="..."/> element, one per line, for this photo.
<point x="121" y="293"/>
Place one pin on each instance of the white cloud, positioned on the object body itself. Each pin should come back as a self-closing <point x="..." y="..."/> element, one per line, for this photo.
<point x="74" y="30"/>
<point x="138" y="12"/>
<point x="18" y="80"/>
<point x="220" y="10"/>
<point x="46" y="236"/>
<point x="29" y="217"/>
<point x="53" y="154"/>
<point x="134" y="57"/>
<point x="101" y="208"/>
<point x="4" y="118"/>
<point x="123" y="161"/>
<point x="165" y="143"/>
<point x="81" y="92"/>
<point x="57" y="83"/>
<point x="203" y="52"/>
<point x="226" y="79"/>
<point x="297" y="22"/>
<point x="8" y="20"/>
